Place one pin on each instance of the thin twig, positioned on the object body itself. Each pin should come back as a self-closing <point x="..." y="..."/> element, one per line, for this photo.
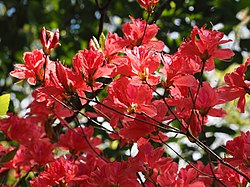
<point x="159" y="11"/>
<point x="198" y="142"/>
<point x="210" y="161"/>
<point x="102" y="10"/>
<point x="189" y="163"/>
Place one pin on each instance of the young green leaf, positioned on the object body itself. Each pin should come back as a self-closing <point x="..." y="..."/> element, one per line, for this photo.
<point x="4" y="104"/>
<point x="102" y="40"/>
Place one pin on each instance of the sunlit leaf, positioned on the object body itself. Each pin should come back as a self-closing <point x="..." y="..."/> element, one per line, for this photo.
<point x="4" y="104"/>
<point x="102" y="40"/>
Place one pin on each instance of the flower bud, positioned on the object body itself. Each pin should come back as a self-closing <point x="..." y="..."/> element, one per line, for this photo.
<point x="149" y="5"/>
<point x="51" y="43"/>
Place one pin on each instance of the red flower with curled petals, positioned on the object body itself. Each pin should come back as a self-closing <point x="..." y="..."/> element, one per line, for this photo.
<point x="192" y="177"/>
<point x="32" y="67"/>
<point x="207" y="99"/>
<point x="136" y="34"/>
<point x="39" y="152"/>
<point x="204" y="44"/>
<point x="113" y="45"/>
<point x="68" y="82"/>
<point x="62" y="171"/>
<point x="91" y="65"/>
<point x="76" y="140"/>
<point x="229" y="177"/>
<point x="236" y="87"/>
<point x="239" y="148"/>
<point x="52" y="42"/>
<point x="114" y="174"/>
<point x="127" y="98"/>
<point x="149" y="5"/>
<point x="143" y="63"/>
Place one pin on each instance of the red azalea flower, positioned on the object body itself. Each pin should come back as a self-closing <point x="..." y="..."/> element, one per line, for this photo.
<point x="143" y="63"/>
<point x="32" y="69"/>
<point x="134" y="34"/>
<point x="23" y="130"/>
<point x="236" y="86"/>
<point x="75" y="140"/>
<point x="114" y="174"/>
<point x="239" y="148"/>
<point x="191" y="177"/>
<point x="229" y="177"/>
<point x="204" y="44"/>
<point x="91" y="65"/>
<point x="207" y="99"/>
<point x="61" y="171"/>
<point x="51" y="43"/>
<point x="149" y="5"/>
<point x="39" y="152"/>
<point x="69" y="82"/>
<point x="113" y="45"/>
<point x="127" y="98"/>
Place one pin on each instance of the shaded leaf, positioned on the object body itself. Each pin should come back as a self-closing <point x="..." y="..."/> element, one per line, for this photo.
<point x="9" y="156"/>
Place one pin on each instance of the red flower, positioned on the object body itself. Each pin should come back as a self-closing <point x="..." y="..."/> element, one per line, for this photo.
<point x="239" y="148"/>
<point x="190" y="177"/>
<point x="62" y="171"/>
<point x="206" y="100"/>
<point x="32" y="69"/>
<point x="91" y="65"/>
<point x="142" y="65"/>
<point x="19" y="163"/>
<point x="69" y="82"/>
<point x="74" y="140"/>
<point x="113" y="45"/>
<point x="114" y="174"/>
<point x="168" y="174"/>
<point x="134" y="34"/>
<point x="23" y="130"/>
<point x="134" y="130"/>
<point x="39" y="152"/>
<point x="236" y="86"/>
<point x="51" y="43"/>
<point x="129" y="99"/>
<point x="149" y="5"/>
<point x="229" y="177"/>
<point x="204" y="44"/>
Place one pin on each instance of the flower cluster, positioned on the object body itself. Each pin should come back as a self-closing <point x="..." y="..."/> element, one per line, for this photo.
<point x="61" y="149"/>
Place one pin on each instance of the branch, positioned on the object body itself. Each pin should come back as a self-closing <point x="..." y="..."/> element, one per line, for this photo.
<point x="102" y="10"/>
<point x="162" y="7"/>
<point x="202" y="145"/>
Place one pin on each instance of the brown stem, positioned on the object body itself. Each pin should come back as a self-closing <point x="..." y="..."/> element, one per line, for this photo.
<point x="76" y="111"/>
<point x="89" y="144"/>
<point x="102" y="10"/>
<point x="189" y="163"/>
<point x="169" y="108"/>
<point x="145" y="29"/>
<point x="202" y="145"/>
<point x="161" y="8"/>
<point x="197" y="92"/>
<point x="209" y="159"/>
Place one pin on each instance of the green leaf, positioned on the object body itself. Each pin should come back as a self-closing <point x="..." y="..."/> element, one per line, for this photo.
<point x="9" y="156"/>
<point x="102" y="40"/>
<point x="4" y="104"/>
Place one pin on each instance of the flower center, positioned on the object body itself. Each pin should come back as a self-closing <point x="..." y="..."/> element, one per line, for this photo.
<point x="132" y="108"/>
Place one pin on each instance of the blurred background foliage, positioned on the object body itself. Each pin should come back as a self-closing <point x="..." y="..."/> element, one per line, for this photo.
<point x="78" y="20"/>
